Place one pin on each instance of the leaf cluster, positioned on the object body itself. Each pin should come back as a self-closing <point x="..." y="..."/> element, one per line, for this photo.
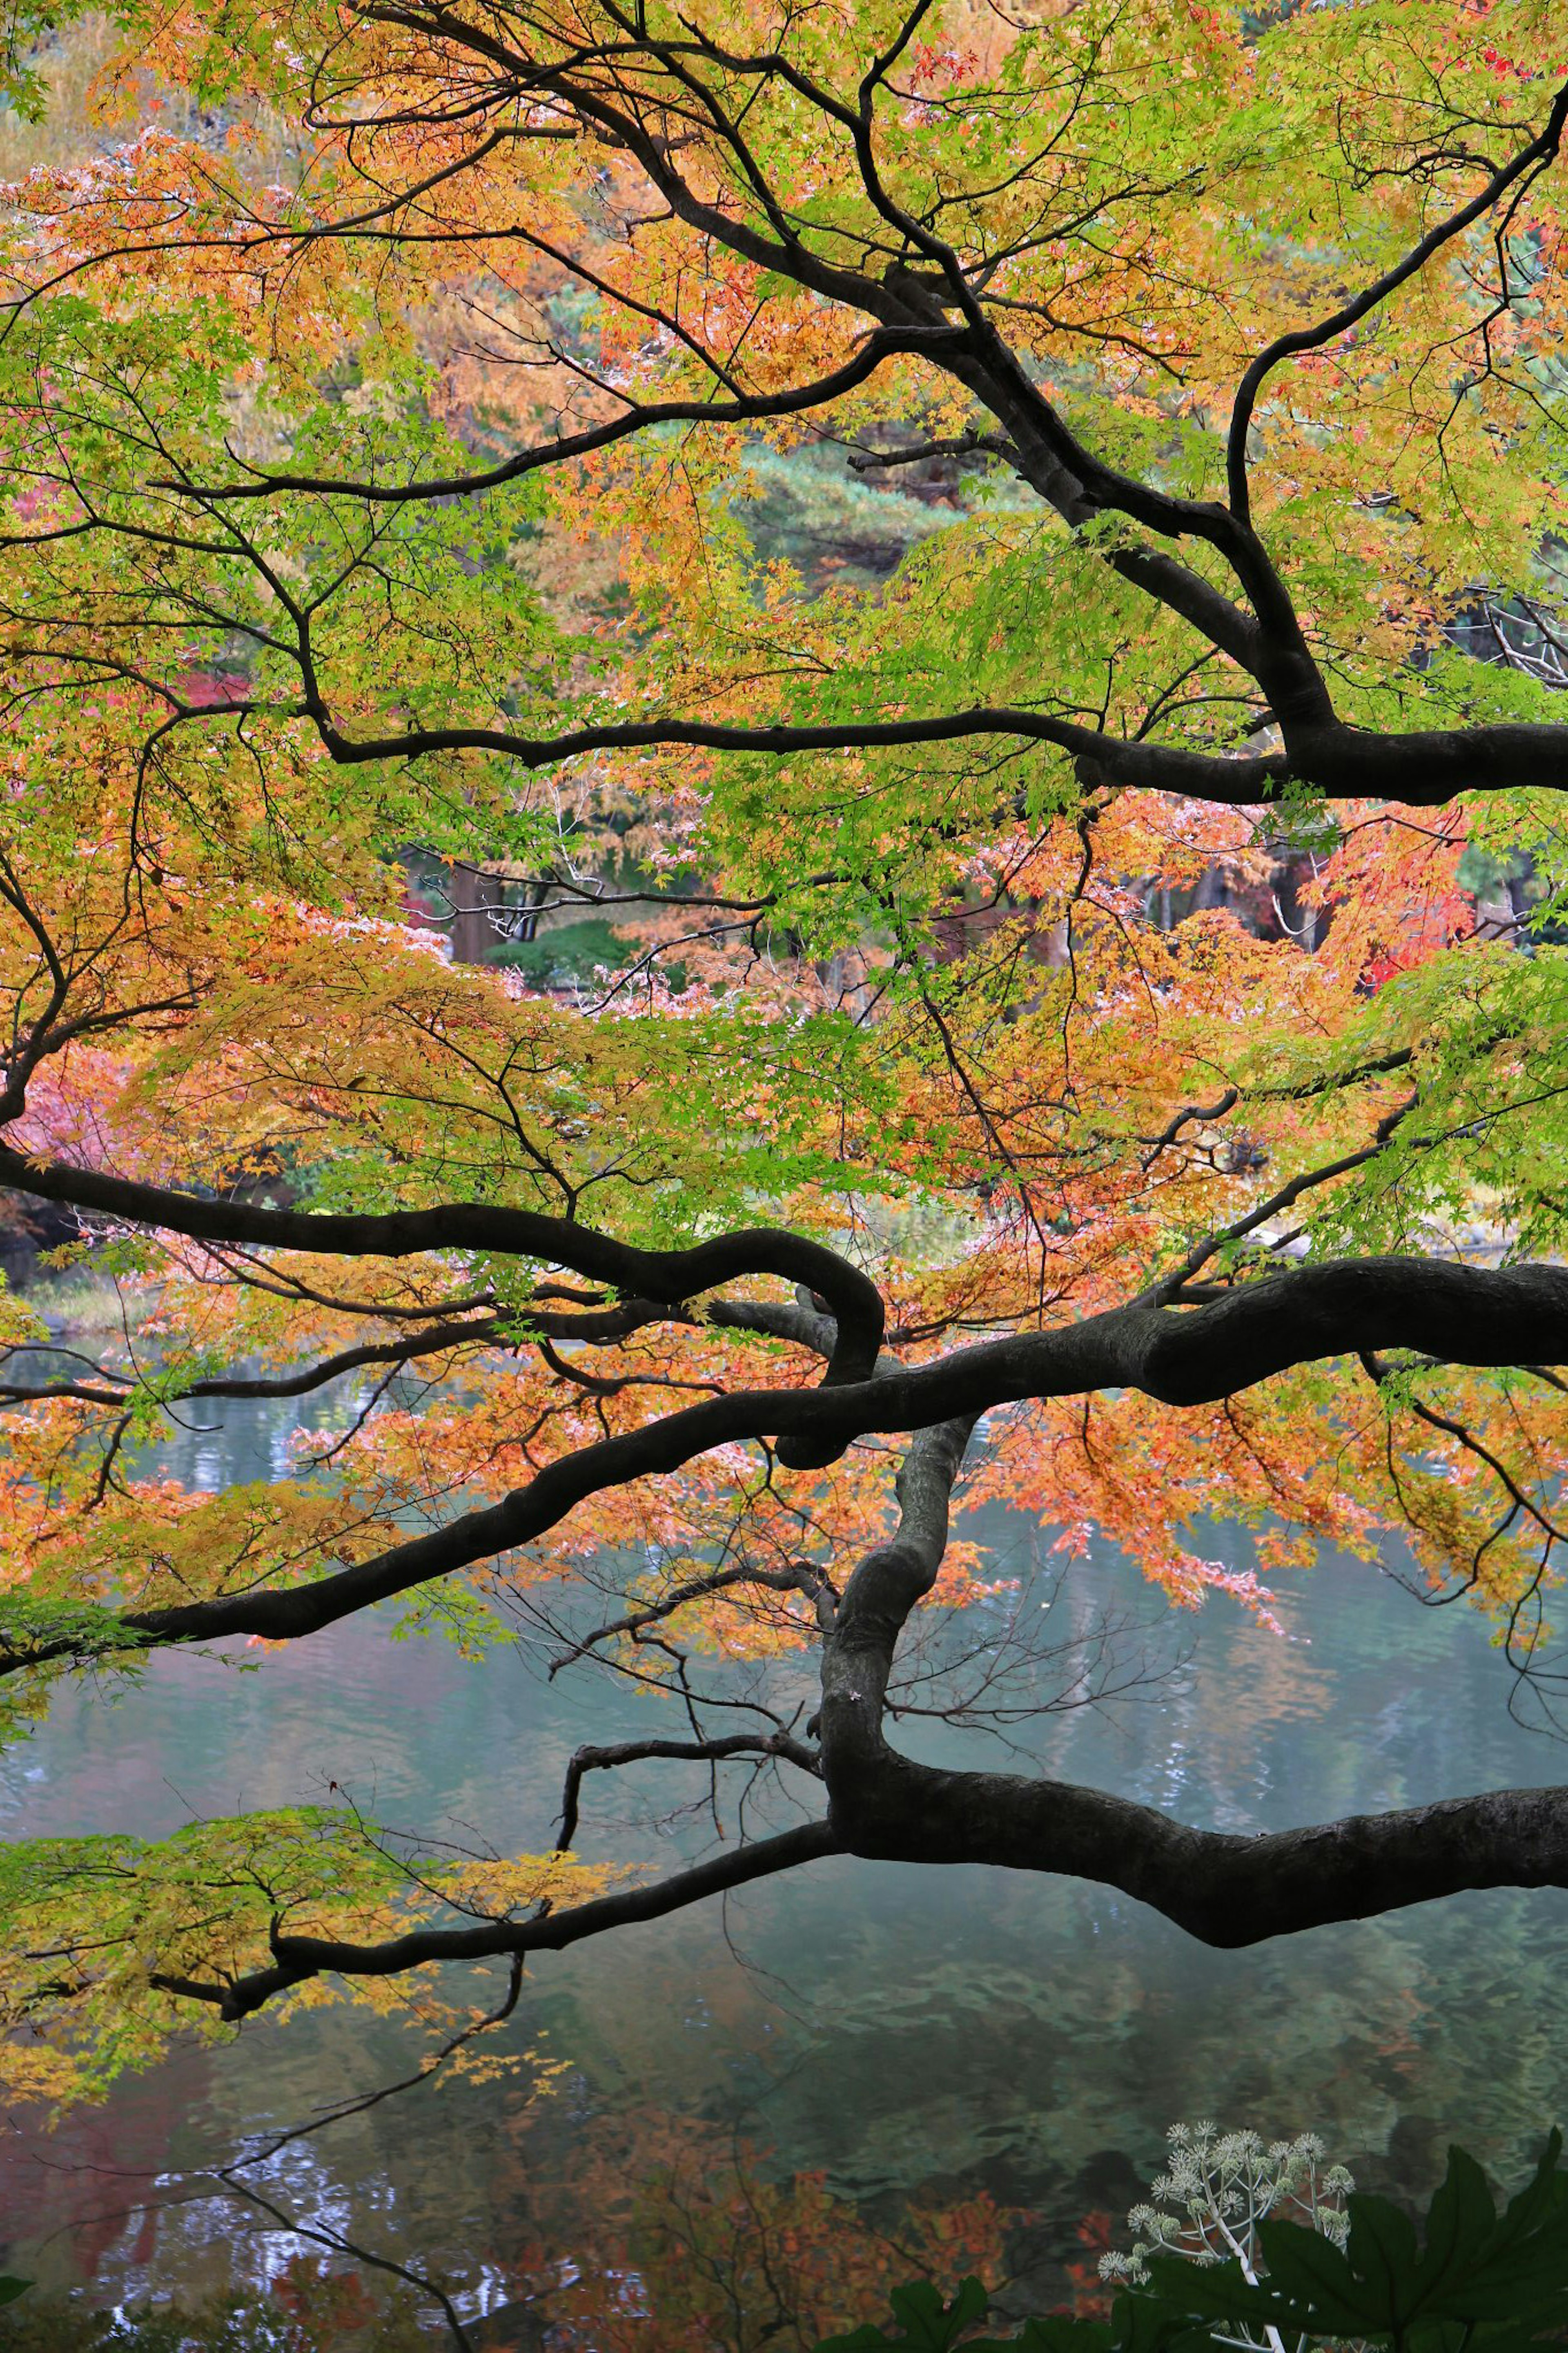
<point x="1498" y="2282"/>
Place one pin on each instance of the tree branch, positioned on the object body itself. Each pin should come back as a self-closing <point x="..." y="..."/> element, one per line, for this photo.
<point x="296" y="1958"/>
<point x="882" y="343"/>
<point x="634" y="1752"/>
<point x="670" y="1277"/>
<point x="1181" y="1356"/>
<point x="1541" y="152"/>
<point x="1226" y="1890"/>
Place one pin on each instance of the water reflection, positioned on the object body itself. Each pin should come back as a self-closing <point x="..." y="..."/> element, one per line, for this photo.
<point x="861" y="2039"/>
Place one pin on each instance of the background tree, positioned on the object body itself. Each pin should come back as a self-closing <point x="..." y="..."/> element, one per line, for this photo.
<point x="1196" y="385"/>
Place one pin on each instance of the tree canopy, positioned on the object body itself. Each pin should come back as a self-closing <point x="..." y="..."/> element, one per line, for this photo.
<point x="1007" y="559"/>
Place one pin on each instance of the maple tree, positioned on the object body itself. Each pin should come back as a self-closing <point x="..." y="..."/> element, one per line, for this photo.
<point x="387" y="458"/>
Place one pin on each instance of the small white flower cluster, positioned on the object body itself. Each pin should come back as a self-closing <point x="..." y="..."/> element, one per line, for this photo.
<point x="1221" y="2185"/>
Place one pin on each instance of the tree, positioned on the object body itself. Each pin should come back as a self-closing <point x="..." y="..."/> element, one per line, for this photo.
<point x="357" y="494"/>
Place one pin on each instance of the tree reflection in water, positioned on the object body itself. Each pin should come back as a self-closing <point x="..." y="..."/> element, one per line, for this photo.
<point x="1000" y="2053"/>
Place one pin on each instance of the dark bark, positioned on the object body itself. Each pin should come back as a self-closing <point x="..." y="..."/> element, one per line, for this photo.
<point x="1181" y="1356"/>
<point x="295" y="1959"/>
<point x="670" y="1277"/>
<point x="1221" y="1888"/>
<point x="1227" y="1890"/>
<point x="918" y="294"/>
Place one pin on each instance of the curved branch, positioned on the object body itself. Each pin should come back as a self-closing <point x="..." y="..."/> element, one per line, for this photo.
<point x="595" y="1329"/>
<point x="1192" y="1356"/>
<point x="1542" y="150"/>
<point x="1422" y="769"/>
<point x="883" y="342"/>
<point x="1227" y="1889"/>
<point x="1197" y="775"/>
<point x="694" y="1589"/>
<point x="669" y="1277"/>
<point x="637" y="1752"/>
<point x="434" y="1342"/>
<point x="299" y="1958"/>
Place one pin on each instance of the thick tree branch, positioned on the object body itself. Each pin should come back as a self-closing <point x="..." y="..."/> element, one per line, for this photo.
<point x="1423" y="770"/>
<point x="670" y="1277"/>
<point x="1192" y="1356"/>
<point x="1155" y="768"/>
<point x="1225" y="1889"/>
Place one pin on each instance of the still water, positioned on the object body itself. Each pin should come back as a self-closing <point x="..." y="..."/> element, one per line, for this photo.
<point x="999" y="2053"/>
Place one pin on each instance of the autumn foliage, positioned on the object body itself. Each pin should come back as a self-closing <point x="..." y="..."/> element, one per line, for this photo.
<point x="1065" y="930"/>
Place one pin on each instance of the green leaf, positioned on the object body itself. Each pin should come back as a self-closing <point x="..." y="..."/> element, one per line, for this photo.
<point x="11" y="2287"/>
<point x="1520" y="2272"/>
<point x="1058" y="2332"/>
<point x="1321" y="2285"/>
<point x="1474" y="2269"/>
<point x="1383" y="2253"/>
<point x="1542" y="2198"/>
<point x="1141" y="2323"/>
<point x="1310" y="2288"/>
<point x="1460" y="2223"/>
<point x="928" y="2324"/>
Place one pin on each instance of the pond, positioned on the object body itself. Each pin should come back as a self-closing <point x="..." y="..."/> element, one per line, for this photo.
<point x="970" y="2059"/>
